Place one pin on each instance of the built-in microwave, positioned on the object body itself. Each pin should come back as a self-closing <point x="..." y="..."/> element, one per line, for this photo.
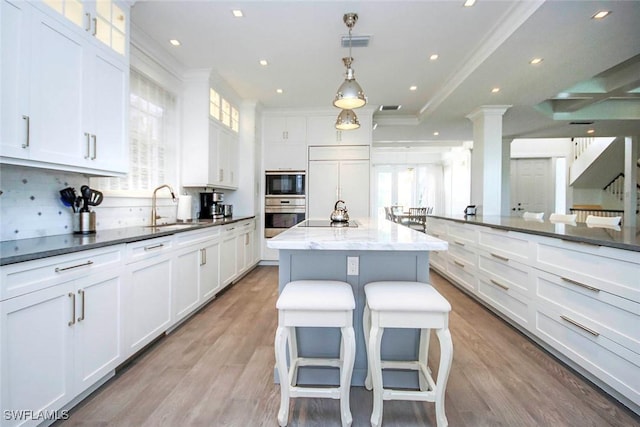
<point x="285" y="183"/>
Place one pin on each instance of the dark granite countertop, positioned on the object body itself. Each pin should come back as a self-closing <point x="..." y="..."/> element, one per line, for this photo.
<point x="13" y="251"/>
<point x="627" y="238"/>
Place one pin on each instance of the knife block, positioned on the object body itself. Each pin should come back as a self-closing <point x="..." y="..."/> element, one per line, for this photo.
<point x="84" y="222"/>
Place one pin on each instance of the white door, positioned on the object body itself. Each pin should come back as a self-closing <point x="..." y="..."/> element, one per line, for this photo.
<point x="531" y="186"/>
<point x="36" y="349"/>
<point x="322" y="188"/>
<point x="354" y="187"/>
<point x="99" y="328"/>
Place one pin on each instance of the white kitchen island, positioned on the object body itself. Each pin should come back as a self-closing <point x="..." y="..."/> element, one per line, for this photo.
<point x="372" y="251"/>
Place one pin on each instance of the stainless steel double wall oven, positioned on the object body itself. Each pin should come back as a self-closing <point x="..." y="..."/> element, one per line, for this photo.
<point x="285" y="202"/>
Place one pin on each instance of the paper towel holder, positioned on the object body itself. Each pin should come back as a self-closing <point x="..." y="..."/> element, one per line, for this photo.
<point x="184" y="208"/>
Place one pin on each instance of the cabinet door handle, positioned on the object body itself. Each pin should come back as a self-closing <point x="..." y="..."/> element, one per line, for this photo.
<point x="458" y="243"/>
<point x="88" y="137"/>
<point x="203" y="256"/>
<point x="150" y="248"/>
<point x="501" y="258"/>
<point x="58" y="269"/>
<point x="95" y="26"/>
<point x="582" y="285"/>
<point x="88" y="16"/>
<point x="458" y="263"/>
<point x="73" y="309"/>
<point x="28" y="140"/>
<point x="246" y="239"/>
<point x="95" y="147"/>
<point x="584" y="328"/>
<point x="81" y="293"/>
<point x="500" y="285"/>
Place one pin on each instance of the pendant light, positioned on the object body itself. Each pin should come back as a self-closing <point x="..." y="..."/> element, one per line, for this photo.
<point x="347" y="120"/>
<point x="350" y="95"/>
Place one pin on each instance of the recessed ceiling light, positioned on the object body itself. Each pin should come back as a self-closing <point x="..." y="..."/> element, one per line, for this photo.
<point x="495" y="90"/>
<point x="436" y="133"/>
<point x="535" y="61"/>
<point x="264" y="62"/>
<point x="413" y="88"/>
<point x="237" y="13"/>
<point x="433" y="57"/>
<point x="601" y="14"/>
<point x="279" y="91"/>
<point x="590" y="131"/>
<point x="175" y="42"/>
<point x="469" y="3"/>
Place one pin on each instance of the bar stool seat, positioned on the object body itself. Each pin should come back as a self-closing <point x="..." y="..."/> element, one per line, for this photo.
<point x="398" y="304"/>
<point x="314" y="303"/>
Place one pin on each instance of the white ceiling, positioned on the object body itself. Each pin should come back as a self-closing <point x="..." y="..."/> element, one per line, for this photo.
<point x="481" y="47"/>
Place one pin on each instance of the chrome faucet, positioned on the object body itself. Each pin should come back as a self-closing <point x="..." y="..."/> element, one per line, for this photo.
<point x="154" y="213"/>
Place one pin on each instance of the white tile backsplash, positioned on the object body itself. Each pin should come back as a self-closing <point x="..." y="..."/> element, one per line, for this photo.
<point x="30" y="204"/>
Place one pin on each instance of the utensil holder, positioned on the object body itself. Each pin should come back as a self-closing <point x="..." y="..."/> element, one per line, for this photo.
<point x="84" y="222"/>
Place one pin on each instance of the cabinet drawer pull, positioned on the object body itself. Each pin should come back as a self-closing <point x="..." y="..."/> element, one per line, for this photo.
<point x="95" y="147"/>
<point x="58" y="269"/>
<point x="500" y="285"/>
<point x="584" y="328"/>
<point x="458" y="263"/>
<point x="150" y="248"/>
<point x="458" y="243"/>
<point x="73" y="309"/>
<point x="28" y="140"/>
<point x="582" y="285"/>
<point x="87" y="135"/>
<point x="500" y="257"/>
<point x="81" y="293"/>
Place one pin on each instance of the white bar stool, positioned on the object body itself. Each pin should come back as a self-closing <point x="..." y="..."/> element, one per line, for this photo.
<point x="407" y="305"/>
<point x="314" y="303"/>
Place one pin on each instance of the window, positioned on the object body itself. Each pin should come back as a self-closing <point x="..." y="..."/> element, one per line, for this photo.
<point x="222" y="110"/>
<point x="152" y="130"/>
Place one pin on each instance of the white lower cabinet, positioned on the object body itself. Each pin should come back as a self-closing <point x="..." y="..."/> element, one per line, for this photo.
<point x="196" y="278"/>
<point x="244" y="246"/>
<point x="228" y="255"/>
<point x="583" y="301"/>
<point x="62" y="337"/>
<point x="147" y="295"/>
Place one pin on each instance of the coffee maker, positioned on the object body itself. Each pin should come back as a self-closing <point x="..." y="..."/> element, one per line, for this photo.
<point x="211" y="206"/>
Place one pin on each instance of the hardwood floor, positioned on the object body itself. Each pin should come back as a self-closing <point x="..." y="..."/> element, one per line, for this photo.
<point x="217" y="370"/>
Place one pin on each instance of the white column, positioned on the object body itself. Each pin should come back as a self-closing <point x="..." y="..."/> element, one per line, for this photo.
<point x="486" y="159"/>
<point x="506" y="178"/>
<point x="631" y="154"/>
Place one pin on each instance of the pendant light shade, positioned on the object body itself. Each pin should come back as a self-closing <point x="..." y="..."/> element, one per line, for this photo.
<point x="347" y="120"/>
<point x="350" y="95"/>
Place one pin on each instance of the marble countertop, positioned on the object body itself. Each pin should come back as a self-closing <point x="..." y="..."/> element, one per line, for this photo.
<point x="13" y="251"/>
<point x="370" y="235"/>
<point x="615" y="237"/>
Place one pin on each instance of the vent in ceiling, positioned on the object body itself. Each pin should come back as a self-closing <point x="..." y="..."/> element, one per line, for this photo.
<point x="390" y="107"/>
<point x="356" y="41"/>
<point x="581" y="123"/>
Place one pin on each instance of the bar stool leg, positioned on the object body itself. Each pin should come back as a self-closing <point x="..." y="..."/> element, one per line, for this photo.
<point x="366" y="327"/>
<point x="346" y="370"/>
<point x="446" y="356"/>
<point x="281" y="363"/>
<point x="375" y="368"/>
<point x="293" y="357"/>
<point x="423" y="356"/>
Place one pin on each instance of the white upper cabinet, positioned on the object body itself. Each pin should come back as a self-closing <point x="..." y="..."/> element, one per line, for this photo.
<point x="321" y="130"/>
<point x="210" y="146"/>
<point x="285" y="139"/>
<point x="66" y="99"/>
<point x="285" y="129"/>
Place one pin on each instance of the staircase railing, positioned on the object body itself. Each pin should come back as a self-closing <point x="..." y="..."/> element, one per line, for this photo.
<point x="580" y="145"/>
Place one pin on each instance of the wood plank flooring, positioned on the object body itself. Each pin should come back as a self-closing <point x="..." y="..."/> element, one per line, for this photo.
<point x="217" y="370"/>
